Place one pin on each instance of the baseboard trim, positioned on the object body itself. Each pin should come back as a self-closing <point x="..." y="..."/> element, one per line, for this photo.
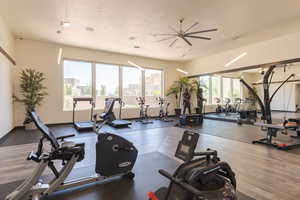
<point x="69" y="123"/>
<point x="4" y="137"/>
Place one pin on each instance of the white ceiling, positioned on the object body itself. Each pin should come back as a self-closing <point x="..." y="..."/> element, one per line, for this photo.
<point x="115" y="21"/>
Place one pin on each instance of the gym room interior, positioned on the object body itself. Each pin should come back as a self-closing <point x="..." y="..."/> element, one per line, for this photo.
<point x="150" y="100"/>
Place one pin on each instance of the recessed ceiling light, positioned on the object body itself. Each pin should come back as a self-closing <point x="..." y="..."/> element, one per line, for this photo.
<point x="132" y="38"/>
<point x="65" y="24"/>
<point x="91" y="29"/>
<point x="58" y="31"/>
<point x="136" y="47"/>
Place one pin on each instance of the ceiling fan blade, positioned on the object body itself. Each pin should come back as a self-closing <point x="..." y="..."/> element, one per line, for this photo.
<point x="173" y="29"/>
<point x="164" y="39"/>
<point x="198" y="37"/>
<point x="173" y="42"/>
<point x="192" y="26"/>
<point x="187" y="41"/>
<point x="204" y="31"/>
<point x="164" y="34"/>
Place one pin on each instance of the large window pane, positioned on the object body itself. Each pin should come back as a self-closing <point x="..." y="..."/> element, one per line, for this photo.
<point x="132" y="87"/>
<point x="77" y="83"/>
<point x="236" y="90"/>
<point x="204" y="82"/>
<point x="153" y="86"/>
<point x="107" y="83"/>
<point x="227" y="88"/>
<point x="216" y="88"/>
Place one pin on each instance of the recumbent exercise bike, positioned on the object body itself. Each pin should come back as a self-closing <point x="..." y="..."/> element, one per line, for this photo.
<point x="115" y="157"/>
<point x="204" y="178"/>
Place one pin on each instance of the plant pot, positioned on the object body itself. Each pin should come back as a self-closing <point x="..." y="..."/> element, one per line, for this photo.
<point x="177" y="112"/>
<point x="30" y="126"/>
<point x="198" y="110"/>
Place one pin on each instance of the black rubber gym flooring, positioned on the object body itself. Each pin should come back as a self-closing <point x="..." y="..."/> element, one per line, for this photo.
<point x="147" y="179"/>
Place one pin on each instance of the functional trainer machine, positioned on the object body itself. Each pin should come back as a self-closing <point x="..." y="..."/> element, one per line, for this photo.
<point x="205" y="177"/>
<point x="87" y="125"/>
<point x="265" y="106"/>
<point x="163" y="110"/>
<point x="112" y="120"/>
<point x="144" y="118"/>
<point x="115" y="157"/>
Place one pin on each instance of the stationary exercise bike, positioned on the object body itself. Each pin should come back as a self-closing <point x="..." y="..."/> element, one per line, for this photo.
<point x="163" y="110"/>
<point x="202" y="178"/>
<point x="144" y="118"/>
<point x="115" y="157"/>
<point x="219" y="108"/>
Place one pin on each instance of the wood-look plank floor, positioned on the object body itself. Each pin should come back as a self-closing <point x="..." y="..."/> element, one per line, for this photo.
<point x="262" y="173"/>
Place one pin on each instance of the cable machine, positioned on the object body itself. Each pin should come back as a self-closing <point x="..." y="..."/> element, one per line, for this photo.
<point x="265" y="106"/>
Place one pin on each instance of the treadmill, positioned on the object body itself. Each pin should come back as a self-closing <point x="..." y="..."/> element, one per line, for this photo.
<point x="86" y="125"/>
<point x="113" y="121"/>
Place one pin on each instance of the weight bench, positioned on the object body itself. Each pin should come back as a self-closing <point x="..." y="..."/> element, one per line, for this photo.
<point x="272" y="130"/>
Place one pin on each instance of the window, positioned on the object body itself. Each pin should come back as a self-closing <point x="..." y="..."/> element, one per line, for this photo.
<point x="107" y="83"/>
<point x="132" y="85"/>
<point x="100" y="81"/>
<point x="77" y="83"/>
<point x="236" y="88"/>
<point x="153" y="86"/>
<point x="216" y="88"/>
<point x="227" y="92"/>
<point x="204" y="82"/>
<point x="220" y="87"/>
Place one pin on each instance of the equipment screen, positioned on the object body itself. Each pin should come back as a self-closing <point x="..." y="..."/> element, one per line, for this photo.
<point x="185" y="149"/>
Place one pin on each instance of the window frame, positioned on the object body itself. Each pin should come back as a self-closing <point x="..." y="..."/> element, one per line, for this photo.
<point x="120" y="66"/>
<point x="209" y="102"/>
<point x="63" y="80"/>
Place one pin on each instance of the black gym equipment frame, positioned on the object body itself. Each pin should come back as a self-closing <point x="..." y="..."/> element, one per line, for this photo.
<point x="87" y="125"/>
<point x="266" y="111"/>
<point x="115" y="158"/>
<point x="112" y="120"/>
<point x="196" y="169"/>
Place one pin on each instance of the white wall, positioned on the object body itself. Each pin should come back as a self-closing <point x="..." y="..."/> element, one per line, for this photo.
<point x="43" y="57"/>
<point x="6" y="105"/>
<point x="277" y="49"/>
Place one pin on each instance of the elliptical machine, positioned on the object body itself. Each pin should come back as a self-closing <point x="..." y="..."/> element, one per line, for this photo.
<point x="115" y="157"/>
<point x="163" y="110"/>
<point x="205" y="177"/>
<point x="144" y="118"/>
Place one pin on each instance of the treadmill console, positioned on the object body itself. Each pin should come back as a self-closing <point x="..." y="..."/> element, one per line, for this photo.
<point x="187" y="145"/>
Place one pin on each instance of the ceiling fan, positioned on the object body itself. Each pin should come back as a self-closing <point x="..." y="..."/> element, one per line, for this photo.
<point x="184" y="34"/>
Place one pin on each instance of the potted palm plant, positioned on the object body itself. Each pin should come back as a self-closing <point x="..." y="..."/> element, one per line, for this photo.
<point x="177" y="90"/>
<point x="174" y="91"/>
<point x="32" y="91"/>
<point x="199" y="94"/>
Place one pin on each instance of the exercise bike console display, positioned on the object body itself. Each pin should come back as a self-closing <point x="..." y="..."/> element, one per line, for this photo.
<point x="187" y="145"/>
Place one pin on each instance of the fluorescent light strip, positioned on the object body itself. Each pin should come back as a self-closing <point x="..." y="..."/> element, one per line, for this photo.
<point x="235" y="59"/>
<point x="59" y="56"/>
<point x="135" y="65"/>
<point x="182" y="71"/>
